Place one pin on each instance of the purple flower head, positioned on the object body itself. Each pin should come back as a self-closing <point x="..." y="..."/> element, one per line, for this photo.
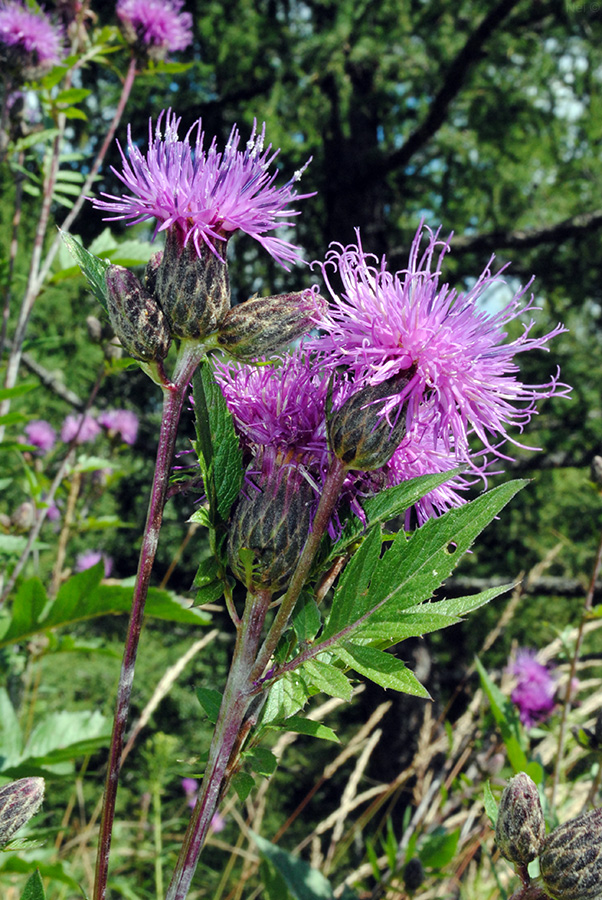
<point x="420" y="454"/>
<point x="459" y="367"/>
<point x="88" y="431"/>
<point x="279" y="405"/>
<point x="122" y="422"/>
<point x="156" y="26"/>
<point x="89" y="558"/>
<point x="41" y="434"/>
<point x="29" y="42"/>
<point x="205" y="195"/>
<point x="535" y="688"/>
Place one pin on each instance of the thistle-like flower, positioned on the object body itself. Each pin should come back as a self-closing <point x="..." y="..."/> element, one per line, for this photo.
<point x="535" y="688"/>
<point x="205" y="195"/>
<point x="155" y="27"/>
<point x="29" y="42"/>
<point x="461" y="374"/>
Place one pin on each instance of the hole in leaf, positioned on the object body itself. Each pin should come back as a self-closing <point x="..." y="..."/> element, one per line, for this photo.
<point x="451" y="547"/>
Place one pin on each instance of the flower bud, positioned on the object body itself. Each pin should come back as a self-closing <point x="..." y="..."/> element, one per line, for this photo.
<point x="571" y="859"/>
<point x="520" y="829"/>
<point x="272" y="521"/>
<point x="193" y="290"/>
<point x="263" y="325"/>
<point x="19" y="801"/>
<point x="136" y="317"/>
<point x="360" y="434"/>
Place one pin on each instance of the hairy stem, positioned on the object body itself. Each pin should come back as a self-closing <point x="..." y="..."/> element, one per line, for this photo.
<point x="230" y="724"/>
<point x="173" y="398"/>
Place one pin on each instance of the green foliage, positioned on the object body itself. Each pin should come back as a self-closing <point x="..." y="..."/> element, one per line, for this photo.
<point x="34" y="889"/>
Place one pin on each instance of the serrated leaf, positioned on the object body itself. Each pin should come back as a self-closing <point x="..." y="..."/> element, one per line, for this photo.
<point x="303" y="882"/>
<point x="211" y="701"/>
<point x="93" y="268"/>
<point x="352" y="598"/>
<point x="287" y="696"/>
<point x="300" y="725"/>
<point x="328" y="679"/>
<point x="382" y="668"/>
<point x="220" y="456"/>
<point x="412" y="569"/>
<point x="388" y="504"/>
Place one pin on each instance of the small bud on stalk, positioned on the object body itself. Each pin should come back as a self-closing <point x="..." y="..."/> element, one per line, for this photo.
<point x="520" y="830"/>
<point x="571" y="859"/>
<point x="136" y="317"/>
<point x="19" y="801"/>
<point x="193" y="290"/>
<point x="360" y="434"/>
<point x="264" y="325"/>
<point x="272" y="521"/>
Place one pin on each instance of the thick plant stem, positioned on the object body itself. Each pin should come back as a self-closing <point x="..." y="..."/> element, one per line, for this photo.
<point x="172" y="406"/>
<point x="235" y="705"/>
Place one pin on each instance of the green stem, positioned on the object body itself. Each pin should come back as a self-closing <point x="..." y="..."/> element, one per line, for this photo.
<point x="226" y="740"/>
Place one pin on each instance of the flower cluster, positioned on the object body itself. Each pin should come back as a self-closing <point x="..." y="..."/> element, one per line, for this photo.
<point x="121" y="424"/>
<point x="535" y="688"/>
<point x="29" y="42"/>
<point x="155" y="27"/>
<point x="202" y="194"/>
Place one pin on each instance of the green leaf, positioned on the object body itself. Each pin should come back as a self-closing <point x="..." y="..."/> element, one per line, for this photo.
<point x="328" y="679"/>
<point x="211" y="701"/>
<point x="439" y="848"/>
<point x="382" y="668"/>
<point x="287" y="696"/>
<point x="506" y="720"/>
<point x="411" y="569"/>
<point x="303" y="882"/>
<point x="490" y="804"/>
<point x="93" y="268"/>
<point x="83" y="597"/>
<point x="306" y="618"/>
<point x="220" y="456"/>
<point x="34" y="889"/>
<point x="72" y="95"/>
<point x="352" y="598"/>
<point x="243" y="784"/>
<point x="261" y="761"/>
<point x="300" y="725"/>
<point x="17" y="391"/>
<point x="388" y="504"/>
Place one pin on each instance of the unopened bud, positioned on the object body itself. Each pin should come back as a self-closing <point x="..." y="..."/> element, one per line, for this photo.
<point x="520" y="829"/>
<point x="360" y="434"/>
<point x="193" y="290"/>
<point x="264" y="325"/>
<point x="271" y="522"/>
<point x="150" y="272"/>
<point x="571" y="860"/>
<point x="19" y="801"/>
<point x="136" y="317"/>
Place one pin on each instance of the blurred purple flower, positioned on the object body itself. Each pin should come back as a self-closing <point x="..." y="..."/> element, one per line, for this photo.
<point x="158" y="26"/>
<point x="205" y="195"/>
<point x="89" y="558"/>
<point x="190" y="787"/>
<point x="89" y="430"/>
<point x="28" y="39"/>
<point x="41" y="434"/>
<point x="462" y="377"/>
<point x="535" y="688"/>
<point x="121" y="422"/>
<point x="218" y="823"/>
